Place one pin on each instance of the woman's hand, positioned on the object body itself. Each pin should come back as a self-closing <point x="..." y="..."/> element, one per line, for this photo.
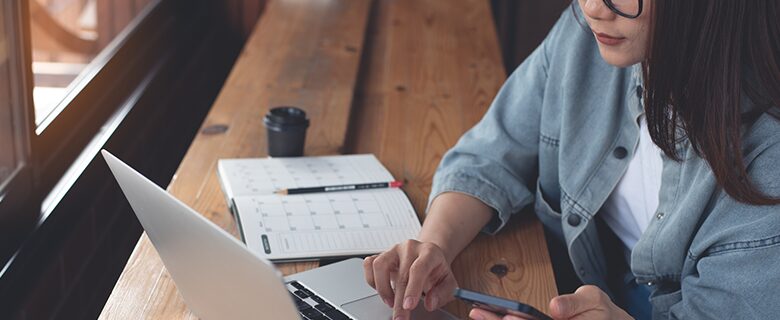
<point x="587" y="303"/>
<point x="402" y="274"/>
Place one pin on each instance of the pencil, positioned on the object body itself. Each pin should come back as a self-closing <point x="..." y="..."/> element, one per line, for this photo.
<point x="346" y="187"/>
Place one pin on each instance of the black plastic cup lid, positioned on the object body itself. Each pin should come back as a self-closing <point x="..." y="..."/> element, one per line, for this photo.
<point x="291" y="116"/>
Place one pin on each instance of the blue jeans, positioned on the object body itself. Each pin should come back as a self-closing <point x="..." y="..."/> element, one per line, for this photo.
<point x="635" y="297"/>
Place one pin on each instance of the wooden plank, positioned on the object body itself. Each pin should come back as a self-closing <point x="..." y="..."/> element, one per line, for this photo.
<point x="432" y="69"/>
<point x="301" y="53"/>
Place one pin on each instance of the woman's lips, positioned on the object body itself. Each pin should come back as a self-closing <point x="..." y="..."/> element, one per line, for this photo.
<point x="609" y="40"/>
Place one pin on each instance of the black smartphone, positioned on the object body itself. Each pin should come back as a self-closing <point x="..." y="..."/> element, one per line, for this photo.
<point x="500" y="306"/>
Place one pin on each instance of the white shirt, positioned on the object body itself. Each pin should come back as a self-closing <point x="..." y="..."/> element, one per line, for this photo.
<point x="633" y="203"/>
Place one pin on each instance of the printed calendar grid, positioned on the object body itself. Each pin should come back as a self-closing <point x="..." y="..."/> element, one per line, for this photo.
<point x="333" y="211"/>
<point x="321" y="224"/>
<point x="347" y="222"/>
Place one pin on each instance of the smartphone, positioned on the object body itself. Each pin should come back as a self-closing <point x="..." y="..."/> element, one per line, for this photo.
<point x="500" y="306"/>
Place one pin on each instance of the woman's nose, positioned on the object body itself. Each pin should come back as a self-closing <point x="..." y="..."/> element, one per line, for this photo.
<point x="597" y="10"/>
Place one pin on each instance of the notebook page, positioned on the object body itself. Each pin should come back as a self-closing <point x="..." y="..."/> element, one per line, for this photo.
<point x="326" y="224"/>
<point x="260" y="176"/>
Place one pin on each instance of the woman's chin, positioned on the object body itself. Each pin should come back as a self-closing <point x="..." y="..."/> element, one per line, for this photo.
<point x="617" y="58"/>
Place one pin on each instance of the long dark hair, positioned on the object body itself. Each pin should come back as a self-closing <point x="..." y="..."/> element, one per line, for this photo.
<point x="703" y="57"/>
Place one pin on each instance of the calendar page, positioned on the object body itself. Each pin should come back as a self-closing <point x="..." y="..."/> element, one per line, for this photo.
<point x="264" y="176"/>
<point x="311" y="226"/>
<point x="327" y="224"/>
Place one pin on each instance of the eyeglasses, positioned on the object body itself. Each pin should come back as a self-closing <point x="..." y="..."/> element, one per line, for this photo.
<point x="626" y="8"/>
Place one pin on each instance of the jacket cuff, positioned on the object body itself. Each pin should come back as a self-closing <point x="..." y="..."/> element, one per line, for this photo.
<point x="478" y="188"/>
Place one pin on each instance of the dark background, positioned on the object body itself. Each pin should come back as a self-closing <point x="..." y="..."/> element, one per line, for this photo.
<point x="523" y="24"/>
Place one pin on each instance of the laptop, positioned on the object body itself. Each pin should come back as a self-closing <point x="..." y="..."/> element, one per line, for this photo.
<point x="219" y="278"/>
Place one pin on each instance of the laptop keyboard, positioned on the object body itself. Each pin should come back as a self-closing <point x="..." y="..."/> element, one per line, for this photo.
<point x="311" y="306"/>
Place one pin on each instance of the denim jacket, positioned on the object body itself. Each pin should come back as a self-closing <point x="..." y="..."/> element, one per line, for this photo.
<point x="560" y="134"/>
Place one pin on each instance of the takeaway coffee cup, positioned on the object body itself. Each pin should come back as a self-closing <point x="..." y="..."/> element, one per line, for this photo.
<point x="286" y="128"/>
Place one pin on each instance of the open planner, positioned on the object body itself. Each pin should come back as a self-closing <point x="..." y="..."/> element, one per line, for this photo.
<point x="315" y="225"/>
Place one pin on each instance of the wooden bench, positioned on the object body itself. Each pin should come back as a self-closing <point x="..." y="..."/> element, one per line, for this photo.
<point x="432" y="71"/>
<point x="427" y="73"/>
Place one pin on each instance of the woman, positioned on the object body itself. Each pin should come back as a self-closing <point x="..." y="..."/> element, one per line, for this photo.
<point x="652" y="122"/>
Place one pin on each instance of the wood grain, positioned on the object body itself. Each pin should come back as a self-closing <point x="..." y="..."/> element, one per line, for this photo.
<point x="431" y="71"/>
<point x="299" y="54"/>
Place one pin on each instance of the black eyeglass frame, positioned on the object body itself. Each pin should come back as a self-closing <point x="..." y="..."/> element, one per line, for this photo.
<point x="614" y="9"/>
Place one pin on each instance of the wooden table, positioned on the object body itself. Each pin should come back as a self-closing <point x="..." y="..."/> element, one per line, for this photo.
<point x="402" y="79"/>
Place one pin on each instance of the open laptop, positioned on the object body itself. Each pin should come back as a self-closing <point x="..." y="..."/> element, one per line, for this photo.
<point x="219" y="278"/>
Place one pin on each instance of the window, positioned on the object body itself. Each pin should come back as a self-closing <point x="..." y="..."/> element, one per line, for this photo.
<point x="8" y="158"/>
<point x="66" y="36"/>
<point x="12" y="120"/>
<point x="7" y="143"/>
<point x="67" y="67"/>
<point x="15" y="173"/>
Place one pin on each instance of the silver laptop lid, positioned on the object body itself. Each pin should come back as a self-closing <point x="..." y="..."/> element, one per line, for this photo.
<point x="215" y="274"/>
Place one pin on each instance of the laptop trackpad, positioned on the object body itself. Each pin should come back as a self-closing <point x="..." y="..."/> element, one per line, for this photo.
<point x="372" y="307"/>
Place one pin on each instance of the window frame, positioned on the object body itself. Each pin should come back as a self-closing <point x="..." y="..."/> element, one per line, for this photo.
<point x="53" y="150"/>
<point x="55" y="145"/>
<point x="16" y="191"/>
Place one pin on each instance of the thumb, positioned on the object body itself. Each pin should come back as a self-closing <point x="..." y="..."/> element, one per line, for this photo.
<point x="569" y="305"/>
<point x="440" y="294"/>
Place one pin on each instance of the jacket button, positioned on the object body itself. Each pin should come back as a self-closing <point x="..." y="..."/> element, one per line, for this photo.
<point x="573" y="220"/>
<point x="620" y="152"/>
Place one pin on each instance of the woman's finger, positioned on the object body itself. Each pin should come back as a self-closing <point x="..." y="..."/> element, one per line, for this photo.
<point x="584" y="299"/>
<point x="368" y="270"/>
<point x="511" y="317"/>
<point x="479" y="314"/>
<point x="407" y="256"/>
<point x="440" y="293"/>
<point x="419" y="274"/>
<point x="384" y="265"/>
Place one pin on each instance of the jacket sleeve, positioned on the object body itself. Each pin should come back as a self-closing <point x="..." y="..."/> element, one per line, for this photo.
<point x="496" y="160"/>
<point x="737" y="277"/>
